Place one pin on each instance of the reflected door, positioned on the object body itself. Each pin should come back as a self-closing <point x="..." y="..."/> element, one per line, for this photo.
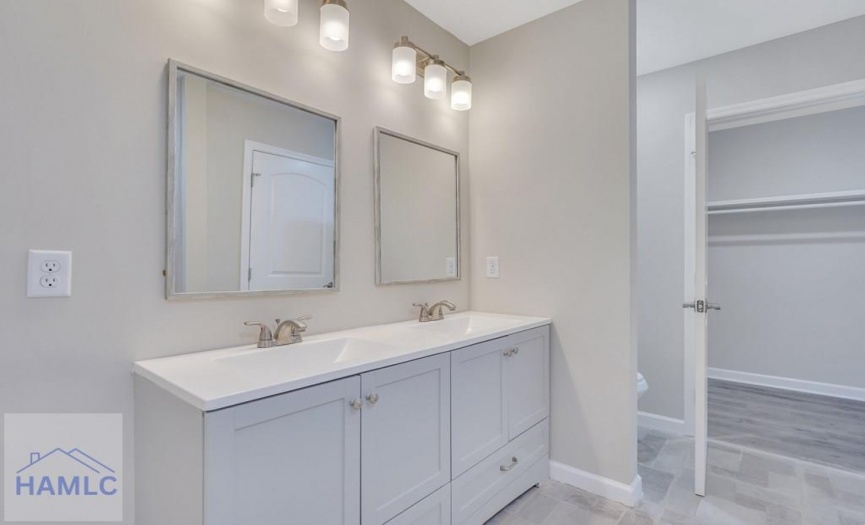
<point x="291" y="244"/>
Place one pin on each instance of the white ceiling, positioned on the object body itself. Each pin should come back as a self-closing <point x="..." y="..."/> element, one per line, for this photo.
<point x="669" y="32"/>
<point x="474" y="21"/>
<point x="675" y="32"/>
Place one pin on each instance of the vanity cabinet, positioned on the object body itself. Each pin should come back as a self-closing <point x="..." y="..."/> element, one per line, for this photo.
<point x="500" y="434"/>
<point x="446" y="439"/>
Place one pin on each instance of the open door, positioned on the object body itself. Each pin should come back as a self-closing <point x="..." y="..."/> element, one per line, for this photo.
<point x="699" y="306"/>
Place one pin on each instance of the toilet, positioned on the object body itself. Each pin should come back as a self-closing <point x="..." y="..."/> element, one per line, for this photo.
<point x="642" y="385"/>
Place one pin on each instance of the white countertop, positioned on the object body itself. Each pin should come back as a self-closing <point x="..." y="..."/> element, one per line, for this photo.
<point x="222" y="378"/>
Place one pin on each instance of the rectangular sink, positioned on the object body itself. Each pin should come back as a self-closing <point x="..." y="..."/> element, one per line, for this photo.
<point x="308" y="356"/>
<point x="467" y="325"/>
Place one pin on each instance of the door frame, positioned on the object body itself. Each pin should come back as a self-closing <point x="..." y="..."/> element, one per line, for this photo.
<point x="799" y="104"/>
<point x="249" y="148"/>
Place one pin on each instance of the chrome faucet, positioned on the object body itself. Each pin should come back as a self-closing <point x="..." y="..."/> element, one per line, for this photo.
<point x="267" y="339"/>
<point x="434" y="312"/>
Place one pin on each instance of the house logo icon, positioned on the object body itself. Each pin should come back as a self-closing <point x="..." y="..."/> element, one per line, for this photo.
<point x="65" y="473"/>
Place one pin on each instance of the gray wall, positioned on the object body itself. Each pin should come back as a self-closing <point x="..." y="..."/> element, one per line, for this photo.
<point x="821" y="57"/>
<point x="551" y="196"/>
<point x="82" y="138"/>
<point x="789" y="281"/>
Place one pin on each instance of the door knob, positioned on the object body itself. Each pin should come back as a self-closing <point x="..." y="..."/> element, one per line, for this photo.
<point x="700" y="306"/>
<point x="713" y="306"/>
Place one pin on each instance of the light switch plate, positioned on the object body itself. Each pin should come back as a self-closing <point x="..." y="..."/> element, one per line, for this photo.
<point x="49" y="273"/>
<point x="451" y="266"/>
<point x="492" y="267"/>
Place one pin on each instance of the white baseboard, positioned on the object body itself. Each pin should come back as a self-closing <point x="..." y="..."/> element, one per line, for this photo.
<point x="798" y="385"/>
<point x="628" y="495"/>
<point x="664" y="424"/>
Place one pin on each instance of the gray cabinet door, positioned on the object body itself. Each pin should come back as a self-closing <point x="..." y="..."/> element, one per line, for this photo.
<point x="527" y="376"/>
<point x="406" y="436"/>
<point x="292" y="458"/>
<point x="479" y="404"/>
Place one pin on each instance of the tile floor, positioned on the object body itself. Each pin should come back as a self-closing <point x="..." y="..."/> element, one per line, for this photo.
<point x="745" y="487"/>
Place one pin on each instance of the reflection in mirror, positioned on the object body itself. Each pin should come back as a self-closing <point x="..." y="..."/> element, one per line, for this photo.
<point x="417" y="210"/>
<point x="252" y="190"/>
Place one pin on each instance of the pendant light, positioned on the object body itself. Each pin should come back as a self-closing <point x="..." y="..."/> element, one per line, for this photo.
<point x="333" y="34"/>
<point x="281" y="12"/>
<point x="404" y="69"/>
<point x="461" y="93"/>
<point x="435" y="75"/>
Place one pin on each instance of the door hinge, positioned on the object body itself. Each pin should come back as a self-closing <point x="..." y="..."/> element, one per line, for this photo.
<point x="252" y="178"/>
<point x="249" y="274"/>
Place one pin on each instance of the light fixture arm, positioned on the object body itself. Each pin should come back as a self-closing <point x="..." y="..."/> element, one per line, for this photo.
<point x="425" y="57"/>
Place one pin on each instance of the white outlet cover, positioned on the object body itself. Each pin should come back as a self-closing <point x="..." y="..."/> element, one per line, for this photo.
<point x="492" y="267"/>
<point x="49" y="273"/>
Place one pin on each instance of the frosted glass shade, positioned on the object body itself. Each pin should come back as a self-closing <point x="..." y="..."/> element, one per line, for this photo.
<point x="334" y="27"/>
<point x="281" y="12"/>
<point x="435" y="81"/>
<point x="404" y="65"/>
<point x="461" y="93"/>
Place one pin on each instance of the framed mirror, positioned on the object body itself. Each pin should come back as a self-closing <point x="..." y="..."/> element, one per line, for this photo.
<point x="253" y="187"/>
<point x="417" y="207"/>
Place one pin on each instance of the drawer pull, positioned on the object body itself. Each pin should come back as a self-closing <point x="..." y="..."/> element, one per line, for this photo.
<point x="510" y="352"/>
<point x="505" y="468"/>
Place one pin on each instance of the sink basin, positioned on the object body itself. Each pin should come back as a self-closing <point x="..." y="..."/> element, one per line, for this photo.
<point x="308" y="356"/>
<point x="466" y="325"/>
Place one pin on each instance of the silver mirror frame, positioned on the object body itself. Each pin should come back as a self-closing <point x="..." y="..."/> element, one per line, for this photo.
<point x="379" y="131"/>
<point x="171" y="293"/>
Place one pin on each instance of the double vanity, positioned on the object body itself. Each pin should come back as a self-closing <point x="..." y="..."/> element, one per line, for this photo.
<point x="410" y="423"/>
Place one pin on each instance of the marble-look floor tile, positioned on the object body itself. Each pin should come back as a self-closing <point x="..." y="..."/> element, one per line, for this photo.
<point x="656" y="483"/>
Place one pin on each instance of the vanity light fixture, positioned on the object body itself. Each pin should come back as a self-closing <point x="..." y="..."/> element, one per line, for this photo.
<point x="334" y="25"/>
<point x="333" y="32"/>
<point x="281" y="12"/>
<point x="409" y="60"/>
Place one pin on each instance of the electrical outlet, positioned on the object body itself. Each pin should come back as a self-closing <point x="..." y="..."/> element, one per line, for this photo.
<point x="492" y="267"/>
<point x="50" y="266"/>
<point x="49" y="273"/>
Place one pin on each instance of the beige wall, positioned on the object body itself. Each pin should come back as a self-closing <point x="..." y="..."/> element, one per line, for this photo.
<point x="82" y="140"/>
<point x="551" y="195"/>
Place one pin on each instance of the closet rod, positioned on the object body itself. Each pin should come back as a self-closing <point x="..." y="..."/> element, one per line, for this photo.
<point x="791" y="202"/>
<point x="787" y="207"/>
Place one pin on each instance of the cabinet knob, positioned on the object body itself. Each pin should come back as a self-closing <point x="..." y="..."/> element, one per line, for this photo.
<point x="372" y="398"/>
<point x="505" y="468"/>
<point x="356" y="404"/>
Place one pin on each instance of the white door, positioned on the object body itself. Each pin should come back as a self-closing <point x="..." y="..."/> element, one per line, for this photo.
<point x="479" y="415"/>
<point x="698" y="306"/>
<point x="527" y="376"/>
<point x="406" y="436"/>
<point x="291" y="223"/>
<point x="292" y="458"/>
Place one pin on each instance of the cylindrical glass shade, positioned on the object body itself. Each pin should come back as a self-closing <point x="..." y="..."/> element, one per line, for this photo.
<point x="435" y="81"/>
<point x="404" y="65"/>
<point x="461" y="93"/>
<point x="281" y="12"/>
<point x="334" y="26"/>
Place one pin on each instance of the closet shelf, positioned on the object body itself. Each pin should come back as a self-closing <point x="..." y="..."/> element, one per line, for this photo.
<point x="788" y="202"/>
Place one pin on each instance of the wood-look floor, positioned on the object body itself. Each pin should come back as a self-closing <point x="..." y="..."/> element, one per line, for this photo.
<point x="824" y="430"/>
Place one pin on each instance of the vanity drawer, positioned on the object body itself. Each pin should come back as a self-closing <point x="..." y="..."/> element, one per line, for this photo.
<point x="480" y="484"/>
